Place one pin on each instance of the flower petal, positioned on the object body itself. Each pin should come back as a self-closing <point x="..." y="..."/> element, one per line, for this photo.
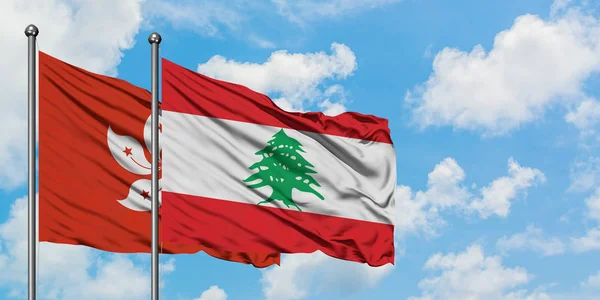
<point x="135" y="200"/>
<point x="128" y="152"/>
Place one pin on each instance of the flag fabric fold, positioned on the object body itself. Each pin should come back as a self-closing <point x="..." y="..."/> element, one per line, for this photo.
<point x="241" y="174"/>
<point x="94" y="165"/>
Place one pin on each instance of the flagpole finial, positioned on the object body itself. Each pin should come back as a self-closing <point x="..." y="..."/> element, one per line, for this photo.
<point x="32" y="30"/>
<point x="154" y="38"/>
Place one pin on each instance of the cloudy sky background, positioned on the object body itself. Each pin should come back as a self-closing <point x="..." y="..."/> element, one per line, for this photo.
<point x="493" y="110"/>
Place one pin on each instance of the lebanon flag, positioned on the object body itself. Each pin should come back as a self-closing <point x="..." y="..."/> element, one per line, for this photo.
<point x="94" y="165"/>
<point x="243" y="175"/>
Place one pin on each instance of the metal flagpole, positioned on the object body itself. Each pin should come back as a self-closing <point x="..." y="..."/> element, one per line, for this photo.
<point x="154" y="39"/>
<point x="31" y="32"/>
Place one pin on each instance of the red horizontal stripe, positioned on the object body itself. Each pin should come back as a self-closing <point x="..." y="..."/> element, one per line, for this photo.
<point x="234" y="226"/>
<point x="186" y="91"/>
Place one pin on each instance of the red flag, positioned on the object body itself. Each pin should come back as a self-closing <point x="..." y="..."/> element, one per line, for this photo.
<point x="235" y="165"/>
<point x="94" y="165"/>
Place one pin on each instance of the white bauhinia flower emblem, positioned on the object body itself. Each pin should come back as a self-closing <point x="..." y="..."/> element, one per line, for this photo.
<point x="128" y="152"/>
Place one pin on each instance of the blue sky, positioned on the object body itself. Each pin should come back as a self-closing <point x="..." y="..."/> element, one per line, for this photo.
<point x="493" y="111"/>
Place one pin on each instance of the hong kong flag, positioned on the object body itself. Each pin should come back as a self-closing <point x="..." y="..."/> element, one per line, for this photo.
<point x="94" y="165"/>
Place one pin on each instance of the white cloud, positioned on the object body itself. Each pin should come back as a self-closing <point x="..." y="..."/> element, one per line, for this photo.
<point x="419" y="211"/>
<point x="75" y="31"/>
<point x="586" y="116"/>
<point x="117" y="278"/>
<point x="302" y="274"/>
<point x="496" y="196"/>
<point x="471" y="275"/>
<point x="444" y="189"/>
<point x="589" y="242"/>
<point x="69" y="272"/>
<point x="205" y="17"/>
<point x="427" y="53"/>
<point x="295" y="78"/>
<point x="532" y="239"/>
<point x="593" y="282"/>
<point x="213" y="17"/>
<point x="261" y="42"/>
<point x="585" y="175"/>
<point x="524" y="295"/>
<point x="302" y="11"/>
<point x="286" y="105"/>
<point x="216" y="19"/>
<point x="331" y="109"/>
<point x="532" y="65"/>
<point x="334" y="101"/>
<point x="593" y="205"/>
<point x="415" y="214"/>
<point x="213" y="293"/>
<point x="167" y="267"/>
<point x="559" y="6"/>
